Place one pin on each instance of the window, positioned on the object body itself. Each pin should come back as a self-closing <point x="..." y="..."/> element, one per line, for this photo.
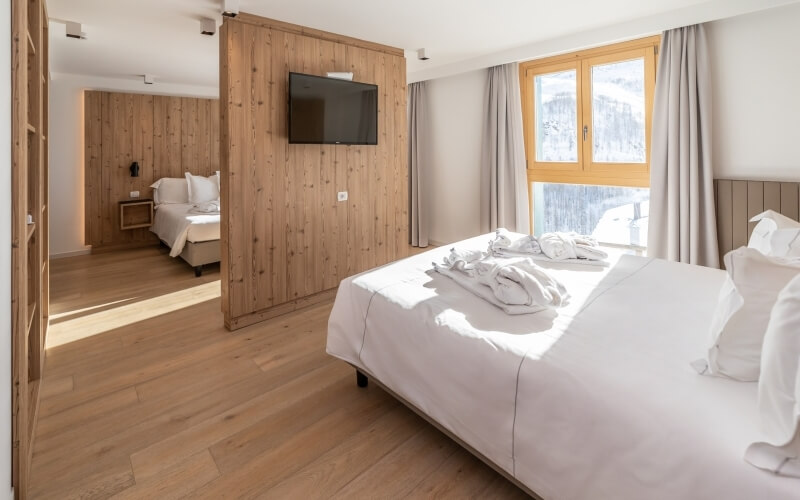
<point x="614" y="216"/>
<point x="587" y="123"/>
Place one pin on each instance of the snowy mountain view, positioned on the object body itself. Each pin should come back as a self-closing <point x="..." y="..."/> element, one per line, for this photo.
<point x="556" y="117"/>
<point x="616" y="215"/>
<point x="618" y="129"/>
<point x="618" y="125"/>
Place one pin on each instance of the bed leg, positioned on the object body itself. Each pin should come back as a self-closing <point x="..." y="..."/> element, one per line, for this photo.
<point x="198" y="271"/>
<point x="361" y="379"/>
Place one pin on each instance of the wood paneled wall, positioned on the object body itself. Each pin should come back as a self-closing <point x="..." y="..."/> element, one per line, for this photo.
<point x="166" y="135"/>
<point x="286" y="240"/>
<point x="738" y="201"/>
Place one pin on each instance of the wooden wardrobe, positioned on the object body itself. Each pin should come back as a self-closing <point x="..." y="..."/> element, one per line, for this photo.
<point x="29" y="257"/>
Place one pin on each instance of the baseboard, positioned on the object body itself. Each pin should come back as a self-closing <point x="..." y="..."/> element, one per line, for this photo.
<point x="280" y="309"/>
<point x="126" y="246"/>
<point x="63" y="255"/>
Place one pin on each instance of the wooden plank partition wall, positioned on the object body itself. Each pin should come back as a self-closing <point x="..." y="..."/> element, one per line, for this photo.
<point x="166" y="135"/>
<point x="739" y="200"/>
<point x="286" y="241"/>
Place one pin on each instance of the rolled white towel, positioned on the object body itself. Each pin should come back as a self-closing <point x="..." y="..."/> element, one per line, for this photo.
<point x="558" y="246"/>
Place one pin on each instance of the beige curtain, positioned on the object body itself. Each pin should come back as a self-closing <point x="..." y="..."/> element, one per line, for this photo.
<point x="418" y="164"/>
<point x="504" y="183"/>
<point x="682" y="225"/>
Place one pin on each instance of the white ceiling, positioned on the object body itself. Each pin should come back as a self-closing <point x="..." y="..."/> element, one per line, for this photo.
<point x="127" y="38"/>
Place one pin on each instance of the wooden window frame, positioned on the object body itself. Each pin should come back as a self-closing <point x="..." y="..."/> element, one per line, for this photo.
<point x="584" y="171"/>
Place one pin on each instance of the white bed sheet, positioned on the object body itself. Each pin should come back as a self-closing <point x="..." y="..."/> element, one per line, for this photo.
<point x="587" y="402"/>
<point x="174" y="224"/>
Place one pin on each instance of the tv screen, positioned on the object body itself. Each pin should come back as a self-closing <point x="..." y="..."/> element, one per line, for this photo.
<point x="331" y="111"/>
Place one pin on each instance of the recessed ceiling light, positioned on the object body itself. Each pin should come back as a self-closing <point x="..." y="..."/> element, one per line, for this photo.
<point x="230" y="8"/>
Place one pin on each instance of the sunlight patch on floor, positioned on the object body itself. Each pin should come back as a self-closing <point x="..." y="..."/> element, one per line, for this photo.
<point x="85" y="309"/>
<point x="94" y="324"/>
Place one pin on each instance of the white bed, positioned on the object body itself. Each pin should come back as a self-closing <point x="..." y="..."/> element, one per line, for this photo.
<point x="595" y="401"/>
<point x="189" y="235"/>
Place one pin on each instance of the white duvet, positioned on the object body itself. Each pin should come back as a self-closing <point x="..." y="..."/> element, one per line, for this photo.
<point x="595" y="400"/>
<point x="175" y="224"/>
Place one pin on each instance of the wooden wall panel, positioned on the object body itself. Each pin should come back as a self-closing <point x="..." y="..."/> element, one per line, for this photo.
<point x="166" y="135"/>
<point x="738" y="201"/>
<point x="167" y="140"/>
<point x="286" y="238"/>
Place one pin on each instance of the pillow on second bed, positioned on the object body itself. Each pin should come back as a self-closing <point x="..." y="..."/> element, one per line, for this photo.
<point x="170" y="190"/>
<point x="743" y="312"/>
<point x="202" y="189"/>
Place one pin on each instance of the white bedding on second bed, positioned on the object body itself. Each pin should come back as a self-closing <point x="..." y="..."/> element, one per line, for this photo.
<point x="597" y="400"/>
<point x="175" y="224"/>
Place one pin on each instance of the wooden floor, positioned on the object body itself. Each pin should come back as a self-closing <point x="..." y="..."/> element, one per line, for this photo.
<point x="146" y="395"/>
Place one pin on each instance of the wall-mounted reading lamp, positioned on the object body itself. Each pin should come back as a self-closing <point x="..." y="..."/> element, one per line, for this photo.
<point x="135" y="169"/>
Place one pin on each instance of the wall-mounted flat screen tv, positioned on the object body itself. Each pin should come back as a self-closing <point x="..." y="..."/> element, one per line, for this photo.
<point x="331" y="111"/>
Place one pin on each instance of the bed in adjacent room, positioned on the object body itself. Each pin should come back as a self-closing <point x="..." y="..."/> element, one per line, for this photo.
<point x="187" y="218"/>
<point x="596" y="398"/>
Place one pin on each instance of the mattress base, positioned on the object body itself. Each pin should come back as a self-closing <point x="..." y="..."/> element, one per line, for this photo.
<point x="203" y="252"/>
<point x="362" y="379"/>
<point x="199" y="254"/>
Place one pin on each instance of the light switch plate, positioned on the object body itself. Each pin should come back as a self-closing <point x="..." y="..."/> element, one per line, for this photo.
<point x="342" y="196"/>
<point x="134" y="194"/>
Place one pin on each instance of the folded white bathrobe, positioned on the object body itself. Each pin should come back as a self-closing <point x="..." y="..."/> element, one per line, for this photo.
<point x="516" y="285"/>
<point x="563" y="247"/>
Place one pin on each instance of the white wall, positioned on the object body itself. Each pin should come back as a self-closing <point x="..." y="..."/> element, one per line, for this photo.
<point x="457" y="113"/>
<point x="5" y="250"/>
<point x="67" y="150"/>
<point x="755" y="71"/>
<point x="710" y="10"/>
<point x="755" y="75"/>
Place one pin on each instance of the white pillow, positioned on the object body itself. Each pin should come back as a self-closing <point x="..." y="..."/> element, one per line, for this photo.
<point x="170" y="190"/>
<point x="740" y="321"/>
<point x="202" y="189"/>
<point x="775" y="235"/>
<point x="779" y="387"/>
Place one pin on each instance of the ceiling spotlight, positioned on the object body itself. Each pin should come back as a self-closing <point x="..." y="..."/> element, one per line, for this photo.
<point x="149" y="79"/>
<point x="74" y="30"/>
<point x="208" y="26"/>
<point x="230" y="8"/>
<point x="421" y="55"/>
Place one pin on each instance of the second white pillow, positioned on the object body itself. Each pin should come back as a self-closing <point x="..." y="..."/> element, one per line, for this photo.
<point x="743" y="312"/>
<point x="202" y="189"/>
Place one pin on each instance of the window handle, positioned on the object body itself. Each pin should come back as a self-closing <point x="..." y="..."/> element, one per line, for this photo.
<point x="585" y="131"/>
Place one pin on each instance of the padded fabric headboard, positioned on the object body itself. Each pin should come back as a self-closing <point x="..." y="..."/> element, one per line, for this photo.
<point x="738" y="201"/>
